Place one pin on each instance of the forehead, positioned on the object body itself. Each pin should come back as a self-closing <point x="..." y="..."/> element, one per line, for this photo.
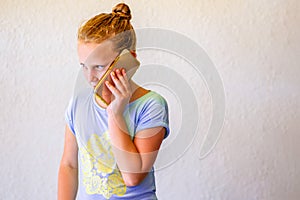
<point x="93" y="53"/>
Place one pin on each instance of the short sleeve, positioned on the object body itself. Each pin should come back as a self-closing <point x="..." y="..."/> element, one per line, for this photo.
<point x="154" y="114"/>
<point x="69" y="116"/>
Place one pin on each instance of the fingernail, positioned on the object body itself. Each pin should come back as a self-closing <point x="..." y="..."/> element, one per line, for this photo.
<point x="113" y="73"/>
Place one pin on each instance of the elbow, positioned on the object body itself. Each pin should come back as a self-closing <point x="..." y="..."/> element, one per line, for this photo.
<point x="132" y="182"/>
<point x="135" y="179"/>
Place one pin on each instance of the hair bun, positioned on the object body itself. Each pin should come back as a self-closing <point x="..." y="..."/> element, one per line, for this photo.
<point x="122" y="10"/>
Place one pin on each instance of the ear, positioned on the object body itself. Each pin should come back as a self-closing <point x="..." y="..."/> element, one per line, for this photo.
<point x="133" y="53"/>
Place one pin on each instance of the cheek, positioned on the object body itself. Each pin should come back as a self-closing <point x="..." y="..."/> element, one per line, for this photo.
<point x="92" y="74"/>
<point x="85" y="75"/>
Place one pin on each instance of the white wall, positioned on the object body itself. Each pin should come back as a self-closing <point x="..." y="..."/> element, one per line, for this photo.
<point x="254" y="46"/>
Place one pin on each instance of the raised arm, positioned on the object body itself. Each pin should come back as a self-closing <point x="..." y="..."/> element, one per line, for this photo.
<point x="134" y="158"/>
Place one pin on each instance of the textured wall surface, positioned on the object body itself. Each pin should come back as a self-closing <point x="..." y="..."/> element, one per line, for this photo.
<point x="254" y="46"/>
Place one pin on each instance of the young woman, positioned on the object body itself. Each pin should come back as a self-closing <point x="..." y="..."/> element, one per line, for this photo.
<point x="109" y="151"/>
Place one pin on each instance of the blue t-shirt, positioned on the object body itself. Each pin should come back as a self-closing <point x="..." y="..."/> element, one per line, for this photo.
<point x="99" y="176"/>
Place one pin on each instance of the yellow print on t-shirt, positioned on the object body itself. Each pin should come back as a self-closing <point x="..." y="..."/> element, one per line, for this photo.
<point x="99" y="168"/>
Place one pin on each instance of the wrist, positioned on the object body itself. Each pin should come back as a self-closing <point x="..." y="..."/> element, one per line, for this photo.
<point x="114" y="114"/>
<point x="116" y="124"/>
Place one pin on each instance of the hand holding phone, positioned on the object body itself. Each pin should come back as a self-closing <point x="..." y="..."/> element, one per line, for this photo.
<point x="125" y="60"/>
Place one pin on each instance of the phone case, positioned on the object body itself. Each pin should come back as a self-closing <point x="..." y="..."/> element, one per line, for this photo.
<point x="125" y="60"/>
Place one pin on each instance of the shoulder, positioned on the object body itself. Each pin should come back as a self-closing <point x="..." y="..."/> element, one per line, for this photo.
<point x="149" y="105"/>
<point x="155" y="98"/>
<point x="151" y="110"/>
<point x="145" y="98"/>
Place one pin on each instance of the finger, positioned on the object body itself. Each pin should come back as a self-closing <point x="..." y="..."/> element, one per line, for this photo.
<point x="124" y="74"/>
<point x="119" y="85"/>
<point x="120" y="74"/>
<point x="113" y="89"/>
<point x="128" y="86"/>
<point x="123" y="78"/>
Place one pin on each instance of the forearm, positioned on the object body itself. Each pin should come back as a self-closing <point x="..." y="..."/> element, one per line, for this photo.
<point x="127" y="156"/>
<point x="67" y="183"/>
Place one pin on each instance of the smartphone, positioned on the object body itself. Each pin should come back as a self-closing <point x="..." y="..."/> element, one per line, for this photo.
<point x="125" y="60"/>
